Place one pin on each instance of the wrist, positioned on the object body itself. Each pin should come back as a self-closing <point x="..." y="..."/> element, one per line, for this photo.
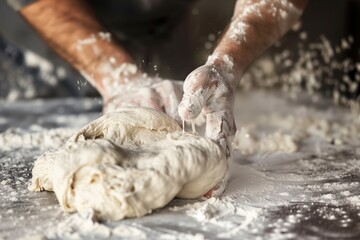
<point x="225" y="66"/>
<point x="110" y="78"/>
<point x="103" y="64"/>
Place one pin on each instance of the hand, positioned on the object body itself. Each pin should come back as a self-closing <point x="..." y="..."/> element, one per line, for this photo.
<point x="156" y="93"/>
<point x="219" y="187"/>
<point x="210" y="88"/>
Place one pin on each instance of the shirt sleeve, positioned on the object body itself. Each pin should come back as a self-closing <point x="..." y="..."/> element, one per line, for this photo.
<point x="19" y="4"/>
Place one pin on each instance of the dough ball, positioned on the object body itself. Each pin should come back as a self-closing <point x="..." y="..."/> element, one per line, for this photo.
<point x="126" y="164"/>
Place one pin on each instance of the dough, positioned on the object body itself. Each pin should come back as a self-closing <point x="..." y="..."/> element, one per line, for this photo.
<point x="126" y="164"/>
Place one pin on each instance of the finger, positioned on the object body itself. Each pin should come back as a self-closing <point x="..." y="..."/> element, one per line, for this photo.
<point x="198" y="87"/>
<point x="146" y="97"/>
<point x="191" y="106"/>
<point x="140" y="97"/>
<point x="220" y="127"/>
<point x="170" y="93"/>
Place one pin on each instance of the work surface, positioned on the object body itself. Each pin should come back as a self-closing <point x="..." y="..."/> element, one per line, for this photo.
<point x="296" y="173"/>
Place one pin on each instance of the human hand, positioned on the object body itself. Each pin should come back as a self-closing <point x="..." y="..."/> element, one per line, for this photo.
<point x="144" y="91"/>
<point x="210" y="88"/>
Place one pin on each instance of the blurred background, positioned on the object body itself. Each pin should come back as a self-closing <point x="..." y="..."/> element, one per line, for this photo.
<point x="328" y="37"/>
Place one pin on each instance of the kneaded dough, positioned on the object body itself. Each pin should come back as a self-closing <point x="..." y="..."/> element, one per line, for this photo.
<point x="126" y="164"/>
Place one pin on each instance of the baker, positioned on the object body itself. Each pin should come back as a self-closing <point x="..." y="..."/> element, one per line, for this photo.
<point x="71" y="28"/>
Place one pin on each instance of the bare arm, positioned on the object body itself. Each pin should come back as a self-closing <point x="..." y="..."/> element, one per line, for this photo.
<point x="70" y="29"/>
<point x="255" y="25"/>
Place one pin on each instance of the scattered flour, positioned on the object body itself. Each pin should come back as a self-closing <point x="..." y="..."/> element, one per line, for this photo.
<point x="43" y="139"/>
<point x="296" y="129"/>
<point x="126" y="231"/>
<point x="239" y="31"/>
<point x="182" y="236"/>
<point x="124" y="71"/>
<point x="80" y="226"/>
<point x="283" y="14"/>
<point x="221" y="212"/>
<point x="266" y="196"/>
<point x="203" y="213"/>
<point x="248" y="144"/>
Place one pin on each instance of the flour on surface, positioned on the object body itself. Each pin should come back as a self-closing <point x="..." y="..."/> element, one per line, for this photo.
<point x="16" y="137"/>
<point x="126" y="231"/>
<point x="281" y="194"/>
<point x="248" y="144"/>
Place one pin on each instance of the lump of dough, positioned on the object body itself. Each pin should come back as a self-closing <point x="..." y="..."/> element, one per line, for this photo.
<point x="126" y="164"/>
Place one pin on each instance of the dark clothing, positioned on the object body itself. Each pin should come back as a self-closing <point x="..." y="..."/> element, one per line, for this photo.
<point x="145" y="20"/>
<point x="155" y="32"/>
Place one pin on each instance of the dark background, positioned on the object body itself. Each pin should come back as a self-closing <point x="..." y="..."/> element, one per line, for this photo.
<point x="334" y="19"/>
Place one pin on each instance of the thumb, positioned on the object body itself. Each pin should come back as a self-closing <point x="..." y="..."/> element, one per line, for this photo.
<point x="221" y="128"/>
<point x="191" y="105"/>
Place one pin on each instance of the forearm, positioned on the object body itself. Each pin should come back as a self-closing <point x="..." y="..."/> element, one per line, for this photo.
<point x="256" y="25"/>
<point x="71" y="30"/>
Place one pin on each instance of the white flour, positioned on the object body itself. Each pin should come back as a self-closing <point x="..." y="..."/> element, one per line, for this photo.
<point x="279" y="11"/>
<point x="298" y="129"/>
<point x="128" y="232"/>
<point x="248" y="144"/>
<point x="40" y="138"/>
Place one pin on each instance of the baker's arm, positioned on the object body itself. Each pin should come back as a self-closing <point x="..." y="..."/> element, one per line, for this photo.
<point x="69" y="27"/>
<point x="255" y="25"/>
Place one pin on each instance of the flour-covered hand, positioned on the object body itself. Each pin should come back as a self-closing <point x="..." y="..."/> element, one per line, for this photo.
<point x="210" y="88"/>
<point x="156" y="93"/>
